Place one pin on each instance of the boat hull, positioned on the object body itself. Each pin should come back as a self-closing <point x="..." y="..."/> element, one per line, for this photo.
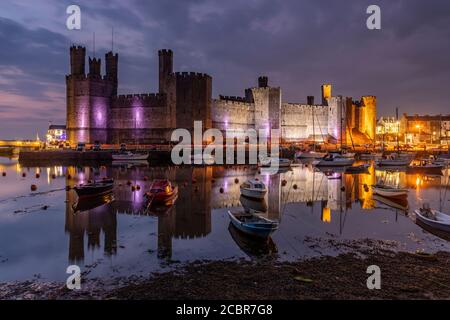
<point x="252" y="193"/>
<point x="252" y="230"/>
<point x="335" y="163"/>
<point x="310" y="155"/>
<point x="127" y="157"/>
<point x="432" y="223"/>
<point x="86" y="192"/>
<point x="390" y="193"/>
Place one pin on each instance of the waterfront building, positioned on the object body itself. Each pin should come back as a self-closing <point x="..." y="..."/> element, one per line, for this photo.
<point x="425" y="129"/>
<point x="56" y="134"/>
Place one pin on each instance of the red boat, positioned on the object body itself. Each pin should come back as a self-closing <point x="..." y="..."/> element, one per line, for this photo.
<point x="162" y="191"/>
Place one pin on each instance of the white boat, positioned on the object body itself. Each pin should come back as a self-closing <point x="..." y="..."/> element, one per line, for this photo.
<point x="128" y="155"/>
<point x="394" y="160"/>
<point x="433" y="218"/>
<point x="425" y="166"/>
<point x="309" y="155"/>
<point x="271" y="162"/>
<point x="334" y="160"/>
<point x="253" y="188"/>
<point x="389" y="191"/>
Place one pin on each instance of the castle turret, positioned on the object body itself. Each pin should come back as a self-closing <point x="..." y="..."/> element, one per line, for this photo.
<point x="263" y="82"/>
<point x="326" y="93"/>
<point x="168" y="85"/>
<point x="112" y="67"/>
<point x="77" y="60"/>
<point x="165" y="68"/>
<point x="94" y="67"/>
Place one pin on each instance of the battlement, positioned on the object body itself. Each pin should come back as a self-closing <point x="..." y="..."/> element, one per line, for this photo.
<point x="139" y="100"/>
<point x="165" y="52"/>
<point x="192" y="75"/>
<point x="77" y="48"/>
<point x="233" y="98"/>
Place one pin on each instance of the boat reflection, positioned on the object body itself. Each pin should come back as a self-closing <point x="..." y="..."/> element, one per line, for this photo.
<point x="92" y="203"/>
<point x="252" y="204"/>
<point x="395" y="203"/>
<point x="438" y="233"/>
<point x="252" y="246"/>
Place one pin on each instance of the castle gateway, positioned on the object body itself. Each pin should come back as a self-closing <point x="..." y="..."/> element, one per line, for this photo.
<point x="95" y="112"/>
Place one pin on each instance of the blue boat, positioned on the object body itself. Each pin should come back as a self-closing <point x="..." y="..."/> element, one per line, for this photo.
<point x="253" y="224"/>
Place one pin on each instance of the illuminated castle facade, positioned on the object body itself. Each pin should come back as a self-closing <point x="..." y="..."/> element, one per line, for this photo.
<point x="95" y="112"/>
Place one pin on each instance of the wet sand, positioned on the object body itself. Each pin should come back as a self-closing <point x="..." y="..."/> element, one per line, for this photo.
<point x="403" y="276"/>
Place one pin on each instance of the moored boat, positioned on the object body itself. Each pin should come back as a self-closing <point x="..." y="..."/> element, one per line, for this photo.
<point x="334" y="160"/>
<point x="309" y="155"/>
<point x="363" y="168"/>
<point x="433" y="218"/>
<point x="424" y="166"/>
<point x="389" y="191"/>
<point x="253" y="224"/>
<point x="95" y="188"/>
<point x="393" y="160"/>
<point x="131" y="156"/>
<point x="274" y="162"/>
<point x="162" y="191"/>
<point x="253" y="188"/>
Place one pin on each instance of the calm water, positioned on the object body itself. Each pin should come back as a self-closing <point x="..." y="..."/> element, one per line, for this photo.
<point x="43" y="232"/>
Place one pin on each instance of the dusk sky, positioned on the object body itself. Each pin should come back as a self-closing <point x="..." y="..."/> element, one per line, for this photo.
<point x="299" y="44"/>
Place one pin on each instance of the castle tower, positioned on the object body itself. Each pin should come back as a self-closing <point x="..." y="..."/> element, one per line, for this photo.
<point x="368" y="115"/>
<point x="267" y="105"/>
<point x="326" y="93"/>
<point x="94" y="67"/>
<point x="112" y="67"/>
<point x="263" y="82"/>
<point x="77" y="118"/>
<point x="77" y="60"/>
<point x="168" y="85"/>
<point x="165" y="68"/>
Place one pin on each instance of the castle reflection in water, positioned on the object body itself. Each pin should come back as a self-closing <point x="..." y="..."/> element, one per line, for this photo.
<point x="203" y="189"/>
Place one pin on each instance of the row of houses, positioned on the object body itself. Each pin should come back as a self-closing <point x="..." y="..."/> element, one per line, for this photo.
<point x="415" y="129"/>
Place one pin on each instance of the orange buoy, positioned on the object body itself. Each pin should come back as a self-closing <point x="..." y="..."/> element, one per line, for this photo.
<point x="24" y="174"/>
<point x="4" y="174"/>
<point x="213" y="181"/>
<point x="145" y="178"/>
<point x="283" y="183"/>
<point x="221" y="190"/>
<point x="37" y="175"/>
<point x="53" y="176"/>
<point x="236" y="180"/>
<point x="129" y="183"/>
<point x="294" y="186"/>
<point x="69" y="177"/>
<point x="33" y="187"/>
<point x="133" y="188"/>
<point x="343" y="189"/>
<point x="138" y="187"/>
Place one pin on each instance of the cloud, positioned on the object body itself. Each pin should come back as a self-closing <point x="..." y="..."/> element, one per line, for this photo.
<point x="298" y="44"/>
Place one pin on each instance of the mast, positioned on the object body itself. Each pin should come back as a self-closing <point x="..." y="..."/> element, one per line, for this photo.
<point x="314" y="130"/>
<point x="398" y="129"/>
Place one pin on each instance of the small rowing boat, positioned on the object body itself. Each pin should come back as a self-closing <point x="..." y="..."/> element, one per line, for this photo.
<point x="129" y="156"/>
<point x="433" y="218"/>
<point x="253" y="188"/>
<point x="162" y="191"/>
<point x="389" y="191"/>
<point x="95" y="188"/>
<point x="253" y="224"/>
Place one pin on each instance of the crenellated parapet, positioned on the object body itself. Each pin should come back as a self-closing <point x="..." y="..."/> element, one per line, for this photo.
<point x="139" y="100"/>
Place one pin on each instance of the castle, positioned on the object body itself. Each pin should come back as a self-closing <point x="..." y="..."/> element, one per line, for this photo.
<point x="95" y="112"/>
